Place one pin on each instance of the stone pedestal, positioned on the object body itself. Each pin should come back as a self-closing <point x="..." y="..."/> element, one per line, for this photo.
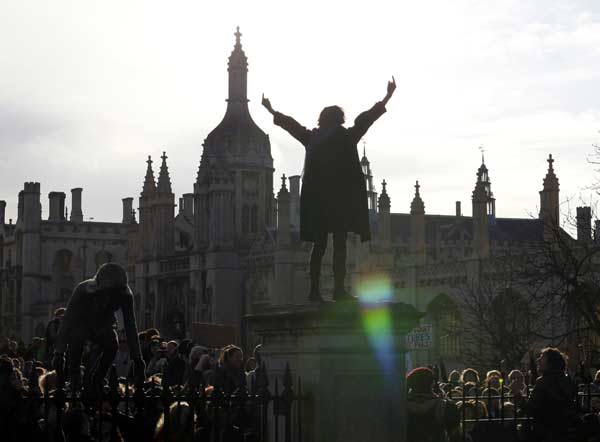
<point x="350" y="359"/>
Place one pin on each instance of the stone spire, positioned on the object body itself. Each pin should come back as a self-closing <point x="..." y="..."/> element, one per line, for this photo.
<point x="384" y="216"/>
<point x="417" y="205"/>
<point x="283" y="214"/>
<point x="550" y="180"/>
<point x="149" y="183"/>
<point x="384" y="199"/>
<point x="366" y="169"/>
<point x="164" y="181"/>
<point x="549" y="199"/>
<point x="238" y="73"/>
<point x="483" y="204"/>
<point x="417" y="228"/>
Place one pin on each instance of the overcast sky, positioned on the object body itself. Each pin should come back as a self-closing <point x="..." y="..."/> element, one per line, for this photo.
<point x="89" y="89"/>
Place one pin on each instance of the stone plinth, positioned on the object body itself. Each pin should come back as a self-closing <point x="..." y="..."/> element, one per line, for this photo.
<point x="350" y="359"/>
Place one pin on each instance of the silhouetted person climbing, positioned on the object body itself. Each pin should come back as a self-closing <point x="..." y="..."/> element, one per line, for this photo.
<point x="90" y="316"/>
<point x="334" y="195"/>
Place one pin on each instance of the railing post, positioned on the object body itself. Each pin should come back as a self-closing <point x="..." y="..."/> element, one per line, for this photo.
<point x="287" y="396"/>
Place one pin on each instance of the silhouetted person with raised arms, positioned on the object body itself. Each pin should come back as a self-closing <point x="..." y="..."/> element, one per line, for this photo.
<point x="334" y="195"/>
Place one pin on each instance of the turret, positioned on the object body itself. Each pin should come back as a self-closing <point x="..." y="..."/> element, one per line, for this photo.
<point x="164" y="206"/>
<point x="417" y="227"/>
<point x="127" y="210"/>
<point x="2" y="213"/>
<point x="31" y="256"/>
<point x="484" y="212"/>
<point x="584" y="224"/>
<point x="283" y="215"/>
<point x="384" y="205"/>
<point x="366" y="169"/>
<point x="549" y="202"/>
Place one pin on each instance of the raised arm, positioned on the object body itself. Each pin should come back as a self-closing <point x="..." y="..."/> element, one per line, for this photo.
<point x="294" y="128"/>
<point x="131" y="330"/>
<point x="363" y="122"/>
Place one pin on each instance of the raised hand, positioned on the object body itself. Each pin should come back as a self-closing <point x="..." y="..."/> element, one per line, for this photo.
<point x="391" y="87"/>
<point x="267" y="104"/>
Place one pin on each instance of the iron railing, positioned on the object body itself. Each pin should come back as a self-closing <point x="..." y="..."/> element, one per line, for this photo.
<point x="123" y="412"/>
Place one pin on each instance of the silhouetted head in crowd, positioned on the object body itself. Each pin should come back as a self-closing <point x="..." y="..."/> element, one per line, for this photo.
<point x="232" y="357"/>
<point x="470" y="375"/>
<point x="420" y="380"/>
<point x="516" y="378"/>
<point x="552" y="359"/>
<point x="331" y="116"/>
<point x="454" y="377"/>
<point x="492" y="379"/>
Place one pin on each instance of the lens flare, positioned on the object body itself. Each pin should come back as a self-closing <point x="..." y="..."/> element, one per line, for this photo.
<point x="374" y="294"/>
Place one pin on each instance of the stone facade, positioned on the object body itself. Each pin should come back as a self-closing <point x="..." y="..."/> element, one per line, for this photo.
<point x="232" y="249"/>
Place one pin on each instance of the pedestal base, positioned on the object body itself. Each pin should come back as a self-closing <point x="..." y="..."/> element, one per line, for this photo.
<point x="350" y="359"/>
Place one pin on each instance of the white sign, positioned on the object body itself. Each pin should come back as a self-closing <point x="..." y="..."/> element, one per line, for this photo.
<point x="420" y="338"/>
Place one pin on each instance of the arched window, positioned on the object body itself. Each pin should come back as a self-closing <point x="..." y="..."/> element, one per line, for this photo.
<point x="245" y="218"/>
<point x="254" y="219"/>
<point x="446" y="326"/>
<point x="62" y="261"/>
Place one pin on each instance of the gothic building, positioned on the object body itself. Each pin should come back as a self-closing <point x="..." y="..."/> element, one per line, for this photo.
<point x="233" y="248"/>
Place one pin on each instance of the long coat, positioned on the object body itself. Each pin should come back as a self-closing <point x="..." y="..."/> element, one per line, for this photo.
<point x="334" y="195"/>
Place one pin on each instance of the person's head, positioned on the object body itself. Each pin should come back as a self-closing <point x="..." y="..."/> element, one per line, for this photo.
<point x="492" y="379"/>
<point x="13" y="346"/>
<point x="111" y="276"/>
<point x="420" y="380"/>
<point x="552" y="359"/>
<point x="250" y="365"/>
<point x="232" y="357"/>
<point x="59" y="312"/>
<point x="515" y="377"/>
<point x="172" y="348"/>
<point x="154" y="346"/>
<point x="470" y="375"/>
<point x="597" y="376"/>
<point x="16" y="379"/>
<point x="454" y="377"/>
<point x="331" y="116"/>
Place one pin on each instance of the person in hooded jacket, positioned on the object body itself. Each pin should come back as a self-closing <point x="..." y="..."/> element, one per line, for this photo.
<point x="333" y="198"/>
<point x="552" y="403"/>
<point x="431" y="418"/>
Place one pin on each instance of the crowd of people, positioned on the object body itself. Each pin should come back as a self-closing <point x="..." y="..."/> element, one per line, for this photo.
<point x="543" y="404"/>
<point x="177" y="366"/>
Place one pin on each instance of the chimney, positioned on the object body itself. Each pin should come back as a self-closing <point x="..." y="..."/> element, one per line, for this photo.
<point x="458" y="209"/>
<point x="188" y="205"/>
<point x="127" y="210"/>
<point x="2" y="212"/>
<point x="57" y="206"/>
<point x="76" y="213"/>
<point x="180" y="205"/>
<point x="584" y="224"/>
